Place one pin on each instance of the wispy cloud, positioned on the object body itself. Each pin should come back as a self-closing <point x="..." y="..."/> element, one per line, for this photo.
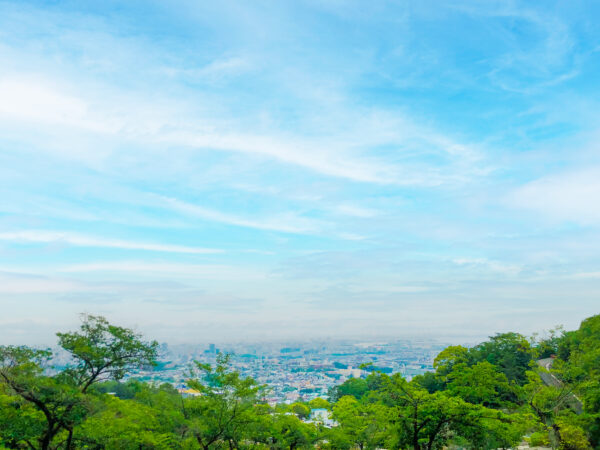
<point x="43" y="102"/>
<point x="299" y="158"/>
<point x="80" y="240"/>
<point x="491" y="265"/>
<point x="356" y="211"/>
<point x="212" y="272"/>
<point x="11" y="283"/>
<point x="537" y="64"/>
<point x="570" y="196"/>
<point x="288" y="223"/>
<point x="585" y="275"/>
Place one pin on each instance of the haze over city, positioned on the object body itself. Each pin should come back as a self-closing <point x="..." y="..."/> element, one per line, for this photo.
<point x="227" y="171"/>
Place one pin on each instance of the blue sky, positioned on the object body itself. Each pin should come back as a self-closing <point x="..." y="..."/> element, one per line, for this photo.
<point x="268" y="170"/>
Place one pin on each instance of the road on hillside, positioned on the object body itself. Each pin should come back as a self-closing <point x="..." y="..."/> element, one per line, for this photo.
<point x="550" y="380"/>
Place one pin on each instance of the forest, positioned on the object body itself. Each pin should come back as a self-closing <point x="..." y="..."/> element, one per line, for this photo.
<point x="510" y="389"/>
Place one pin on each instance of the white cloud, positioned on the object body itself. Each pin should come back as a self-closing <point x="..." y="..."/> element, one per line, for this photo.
<point x="43" y="236"/>
<point x="356" y="211"/>
<point x="494" y="266"/>
<point x="288" y="223"/>
<point x="585" y="276"/>
<point x="342" y="152"/>
<point x="41" y="101"/>
<point x="26" y="284"/>
<point x="194" y="271"/>
<point x="216" y="70"/>
<point x="34" y="99"/>
<point x="316" y="156"/>
<point x="570" y="196"/>
<point x="351" y="236"/>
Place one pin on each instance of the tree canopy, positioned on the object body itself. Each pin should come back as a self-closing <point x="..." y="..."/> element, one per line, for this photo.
<point x="493" y="395"/>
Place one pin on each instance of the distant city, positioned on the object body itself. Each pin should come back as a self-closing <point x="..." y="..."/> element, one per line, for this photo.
<point x="298" y="371"/>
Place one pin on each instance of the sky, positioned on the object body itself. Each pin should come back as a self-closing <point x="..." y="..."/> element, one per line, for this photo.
<point x="233" y="170"/>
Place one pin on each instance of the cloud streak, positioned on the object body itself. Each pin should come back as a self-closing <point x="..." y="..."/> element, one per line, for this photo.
<point x="277" y="165"/>
<point x="287" y="223"/>
<point x="570" y="196"/>
<point x="80" y="240"/>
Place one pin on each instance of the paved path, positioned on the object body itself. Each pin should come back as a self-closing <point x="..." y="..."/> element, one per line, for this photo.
<point x="550" y="380"/>
<point x="546" y="363"/>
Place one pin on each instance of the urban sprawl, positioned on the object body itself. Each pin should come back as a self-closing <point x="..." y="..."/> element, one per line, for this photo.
<point x="297" y="371"/>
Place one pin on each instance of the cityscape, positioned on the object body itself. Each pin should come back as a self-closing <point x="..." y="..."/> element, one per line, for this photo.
<point x="297" y="371"/>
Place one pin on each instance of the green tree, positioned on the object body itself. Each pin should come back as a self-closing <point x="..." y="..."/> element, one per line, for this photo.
<point x="125" y="425"/>
<point x="430" y="381"/>
<point x="167" y="404"/>
<point x="425" y="421"/>
<point x="227" y="411"/>
<point x="549" y="399"/>
<point x="289" y="432"/>
<point x="123" y="390"/>
<point x="99" y="351"/>
<point x="482" y="384"/>
<point x="319" y="403"/>
<point x="450" y="356"/>
<point x="301" y="410"/>
<point x="20" y="422"/>
<point x="61" y="405"/>
<point x="572" y="385"/>
<point x="356" y="387"/>
<point x="511" y="352"/>
<point x="549" y="345"/>
<point x="360" y="424"/>
<point x="102" y="351"/>
<point x="572" y="436"/>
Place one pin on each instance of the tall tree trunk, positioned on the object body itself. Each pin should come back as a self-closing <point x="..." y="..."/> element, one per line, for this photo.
<point x="48" y="435"/>
<point x="45" y="442"/>
<point x="556" y="430"/>
<point x="416" y="445"/>
<point x="70" y="439"/>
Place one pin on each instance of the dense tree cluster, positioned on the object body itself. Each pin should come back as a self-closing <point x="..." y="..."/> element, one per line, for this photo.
<point x="495" y="395"/>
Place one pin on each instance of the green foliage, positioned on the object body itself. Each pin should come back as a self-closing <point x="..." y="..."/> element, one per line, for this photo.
<point x="104" y="351"/>
<point x="450" y="356"/>
<point x="99" y="350"/>
<point x="356" y="387"/>
<point x="486" y="397"/>
<point x="539" y="439"/>
<point x="572" y="437"/>
<point x="56" y="399"/>
<point x="510" y="352"/>
<point x="549" y="346"/>
<point x="124" y="391"/>
<point x="430" y="381"/>
<point x="578" y="365"/>
<point x="424" y="420"/>
<point x="228" y="409"/>
<point x="301" y="410"/>
<point x="319" y="403"/>
<point x="361" y="424"/>
<point x="20" y="422"/>
<point x="289" y="432"/>
<point x="482" y="383"/>
<point x="121" y="424"/>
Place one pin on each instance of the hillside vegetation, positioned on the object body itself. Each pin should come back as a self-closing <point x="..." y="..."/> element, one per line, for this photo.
<point x="495" y="395"/>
